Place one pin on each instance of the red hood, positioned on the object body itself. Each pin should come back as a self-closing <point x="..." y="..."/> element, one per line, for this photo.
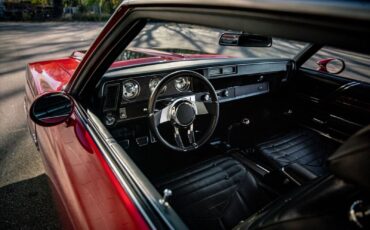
<point x="53" y="75"/>
<point x="154" y="56"/>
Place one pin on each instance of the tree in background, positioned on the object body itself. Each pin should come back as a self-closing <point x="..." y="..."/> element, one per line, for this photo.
<point x="58" y="8"/>
<point x="40" y="2"/>
<point x="102" y="6"/>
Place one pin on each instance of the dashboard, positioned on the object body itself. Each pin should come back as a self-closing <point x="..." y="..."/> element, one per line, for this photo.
<point x="124" y="93"/>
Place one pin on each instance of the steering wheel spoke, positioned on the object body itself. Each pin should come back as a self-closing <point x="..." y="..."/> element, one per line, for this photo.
<point x="178" y="138"/>
<point x="191" y="135"/>
<point x="208" y="107"/>
<point x="161" y="116"/>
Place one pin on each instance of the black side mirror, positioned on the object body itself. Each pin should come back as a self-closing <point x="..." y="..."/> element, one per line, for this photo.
<point x="51" y="109"/>
<point x="245" y="40"/>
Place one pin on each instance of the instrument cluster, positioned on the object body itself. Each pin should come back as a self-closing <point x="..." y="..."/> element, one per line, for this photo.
<point x="124" y="94"/>
<point x="134" y="88"/>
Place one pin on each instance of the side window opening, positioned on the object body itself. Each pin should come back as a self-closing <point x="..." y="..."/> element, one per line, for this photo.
<point x="355" y="66"/>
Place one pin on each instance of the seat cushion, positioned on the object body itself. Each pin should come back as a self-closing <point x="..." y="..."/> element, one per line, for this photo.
<point x="216" y="194"/>
<point x="298" y="145"/>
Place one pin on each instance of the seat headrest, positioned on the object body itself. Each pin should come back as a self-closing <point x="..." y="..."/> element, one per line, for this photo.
<point x="351" y="162"/>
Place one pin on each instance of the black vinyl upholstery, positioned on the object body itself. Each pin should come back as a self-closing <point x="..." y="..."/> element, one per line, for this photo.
<point x="298" y="145"/>
<point x="351" y="161"/>
<point x="326" y="202"/>
<point x="216" y="194"/>
<point x="322" y="204"/>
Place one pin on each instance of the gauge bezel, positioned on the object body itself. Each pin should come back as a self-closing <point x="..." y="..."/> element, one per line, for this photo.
<point x="187" y="87"/>
<point x="158" y="79"/>
<point x="138" y="91"/>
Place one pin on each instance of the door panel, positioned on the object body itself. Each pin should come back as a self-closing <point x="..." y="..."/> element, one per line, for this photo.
<point x="81" y="180"/>
<point x="335" y="106"/>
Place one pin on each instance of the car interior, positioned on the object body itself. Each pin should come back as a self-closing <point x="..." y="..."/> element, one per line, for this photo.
<point x="238" y="142"/>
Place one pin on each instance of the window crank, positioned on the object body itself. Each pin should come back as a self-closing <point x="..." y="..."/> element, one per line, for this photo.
<point x="166" y="195"/>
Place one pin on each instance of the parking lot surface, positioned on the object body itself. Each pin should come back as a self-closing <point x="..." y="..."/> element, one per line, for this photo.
<point x="25" y="198"/>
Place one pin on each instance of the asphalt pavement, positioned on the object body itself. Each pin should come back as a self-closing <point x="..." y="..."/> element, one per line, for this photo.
<point x="25" y="197"/>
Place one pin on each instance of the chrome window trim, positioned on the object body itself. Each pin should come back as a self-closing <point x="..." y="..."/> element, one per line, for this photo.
<point x="94" y="132"/>
<point x="118" y="161"/>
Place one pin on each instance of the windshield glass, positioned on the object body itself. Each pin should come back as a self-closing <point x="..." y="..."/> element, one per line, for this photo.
<point x="164" y="41"/>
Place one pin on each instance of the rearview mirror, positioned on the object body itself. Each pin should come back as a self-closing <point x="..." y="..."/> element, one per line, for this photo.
<point x="51" y="109"/>
<point x="245" y="40"/>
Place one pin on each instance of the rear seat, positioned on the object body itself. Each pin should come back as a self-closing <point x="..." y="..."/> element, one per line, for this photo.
<point x="298" y="146"/>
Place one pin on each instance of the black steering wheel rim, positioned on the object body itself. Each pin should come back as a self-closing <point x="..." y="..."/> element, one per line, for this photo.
<point x="214" y="116"/>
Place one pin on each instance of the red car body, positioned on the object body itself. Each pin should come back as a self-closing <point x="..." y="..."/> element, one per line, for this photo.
<point x="86" y="189"/>
<point x="88" y="193"/>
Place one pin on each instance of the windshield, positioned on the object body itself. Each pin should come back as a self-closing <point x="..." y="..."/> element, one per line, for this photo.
<point x="176" y="41"/>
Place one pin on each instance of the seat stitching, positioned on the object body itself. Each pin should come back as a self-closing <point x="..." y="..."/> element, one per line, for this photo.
<point x="281" y="150"/>
<point x="318" y="153"/>
<point x="287" y="158"/>
<point x="285" y="152"/>
<point x="198" y="171"/>
<point x="214" y="170"/>
<point x="231" y="176"/>
<point x="321" y="160"/>
<point x="283" y="142"/>
<point x="204" y="186"/>
<point x="232" y="187"/>
<point x="280" y="136"/>
<point x="217" y="167"/>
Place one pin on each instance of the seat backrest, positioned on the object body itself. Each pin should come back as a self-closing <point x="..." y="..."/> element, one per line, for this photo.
<point x="319" y="205"/>
<point x="324" y="203"/>
<point x="351" y="162"/>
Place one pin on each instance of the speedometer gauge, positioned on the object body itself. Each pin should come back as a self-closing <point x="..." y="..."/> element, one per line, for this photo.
<point x="153" y="83"/>
<point x="182" y="84"/>
<point x="130" y="89"/>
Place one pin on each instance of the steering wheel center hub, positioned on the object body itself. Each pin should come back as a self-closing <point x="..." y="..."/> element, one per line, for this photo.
<point x="183" y="113"/>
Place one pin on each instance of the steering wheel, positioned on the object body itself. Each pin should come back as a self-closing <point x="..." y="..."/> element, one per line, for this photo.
<point x="182" y="111"/>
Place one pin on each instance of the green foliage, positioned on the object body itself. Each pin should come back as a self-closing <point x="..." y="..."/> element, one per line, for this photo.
<point x="40" y="2"/>
<point x="91" y="2"/>
<point x="71" y="2"/>
<point x="90" y="17"/>
<point x="105" y="6"/>
<point x="116" y="3"/>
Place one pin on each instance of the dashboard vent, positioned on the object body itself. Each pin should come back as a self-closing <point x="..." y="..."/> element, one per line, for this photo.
<point x="221" y="71"/>
<point x="111" y="93"/>
<point x="227" y="70"/>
